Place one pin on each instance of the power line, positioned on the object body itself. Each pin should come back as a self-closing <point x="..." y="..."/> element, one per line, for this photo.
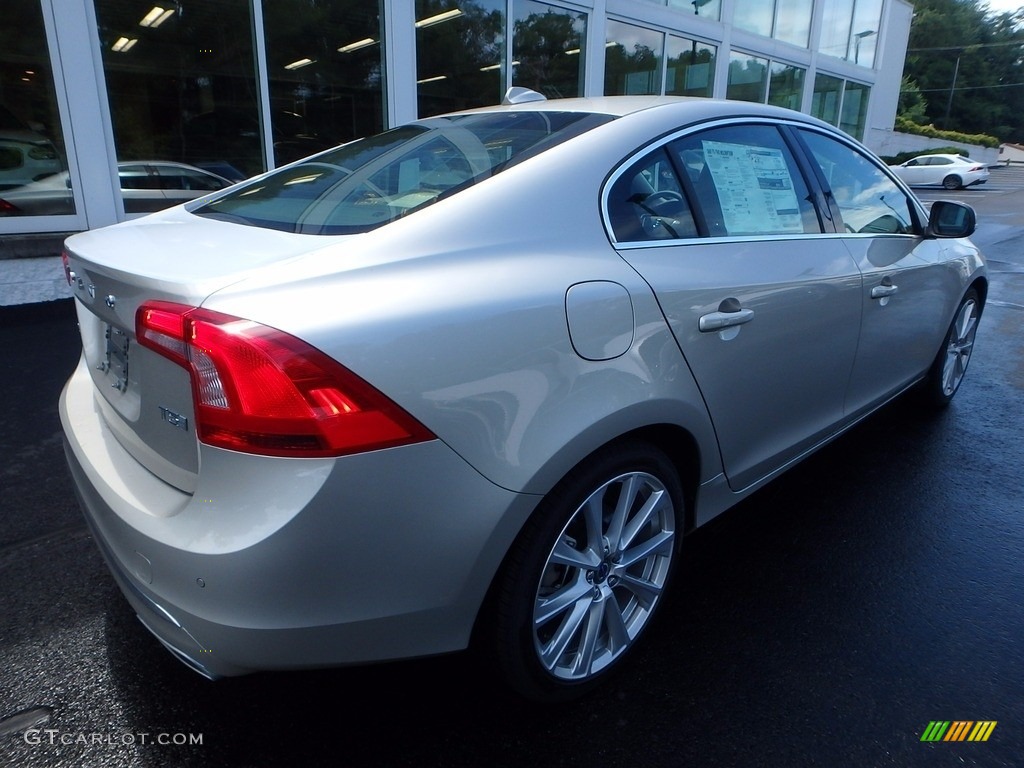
<point x="970" y="88"/>
<point x="966" y="48"/>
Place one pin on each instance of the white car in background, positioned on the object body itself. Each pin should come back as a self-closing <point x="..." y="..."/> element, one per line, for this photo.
<point x="949" y="171"/>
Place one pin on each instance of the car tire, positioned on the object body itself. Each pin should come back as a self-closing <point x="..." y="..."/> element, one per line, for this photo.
<point x="952" y="182"/>
<point x="588" y="572"/>
<point x="947" y="371"/>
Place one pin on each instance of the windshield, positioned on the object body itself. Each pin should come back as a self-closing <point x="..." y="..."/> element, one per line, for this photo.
<point x="368" y="183"/>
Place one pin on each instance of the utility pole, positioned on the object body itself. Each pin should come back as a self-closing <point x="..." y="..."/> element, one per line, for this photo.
<point x="949" y="103"/>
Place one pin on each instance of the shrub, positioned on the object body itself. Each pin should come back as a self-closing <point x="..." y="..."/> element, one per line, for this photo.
<point x="906" y="126"/>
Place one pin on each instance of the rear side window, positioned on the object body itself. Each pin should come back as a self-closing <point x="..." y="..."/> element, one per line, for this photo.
<point x="647" y="202"/>
<point x="368" y="183"/>
<point x="746" y="182"/>
<point x="868" y="200"/>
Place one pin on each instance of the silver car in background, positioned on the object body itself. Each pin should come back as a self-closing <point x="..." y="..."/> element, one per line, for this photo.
<point x="476" y="377"/>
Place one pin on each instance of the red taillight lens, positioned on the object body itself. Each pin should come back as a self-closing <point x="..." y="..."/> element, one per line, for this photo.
<point x="8" y="208"/>
<point x="259" y="390"/>
<point x="67" y="266"/>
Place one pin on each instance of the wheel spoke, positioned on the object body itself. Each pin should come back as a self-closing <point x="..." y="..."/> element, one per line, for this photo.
<point x="561" y="600"/>
<point x="551" y="652"/>
<point x="661" y="544"/>
<point x="618" y="633"/>
<point x="641" y="518"/>
<point x="645" y="591"/>
<point x="627" y="495"/>
<point x="566" y="554"/>
<point x="584" y="661"/>
<point x="593" y="517"/>
<point x="966" y="322"/>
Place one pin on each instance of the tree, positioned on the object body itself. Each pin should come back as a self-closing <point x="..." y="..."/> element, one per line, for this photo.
<point x="968" y="64"/>
<point x="912" y="105"/>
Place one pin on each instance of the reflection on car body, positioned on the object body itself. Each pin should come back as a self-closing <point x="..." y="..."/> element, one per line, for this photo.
<point x="474" y="378"/>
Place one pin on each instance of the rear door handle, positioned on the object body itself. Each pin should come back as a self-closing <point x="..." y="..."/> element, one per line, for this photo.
<point x="729" y="314"/>
<point x="884" y="290"/>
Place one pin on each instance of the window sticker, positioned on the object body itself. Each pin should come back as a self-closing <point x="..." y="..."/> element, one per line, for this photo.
<point x="755" y="188"/>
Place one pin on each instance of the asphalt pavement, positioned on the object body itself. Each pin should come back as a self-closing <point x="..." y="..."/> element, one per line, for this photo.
<point x="827" y="621"/>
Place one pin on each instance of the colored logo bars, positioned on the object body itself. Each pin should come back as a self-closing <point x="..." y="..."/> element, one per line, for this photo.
<point x="958" y="730"/>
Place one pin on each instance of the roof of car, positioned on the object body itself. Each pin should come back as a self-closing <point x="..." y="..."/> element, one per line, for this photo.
<point x="620" y="106"/>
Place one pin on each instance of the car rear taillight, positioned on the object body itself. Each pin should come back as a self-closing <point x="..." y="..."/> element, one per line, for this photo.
<point x="7" y="207"/>
<point x="67" y="266"/>
<point x="260" y="390"/>
<point x="976" y="168"/>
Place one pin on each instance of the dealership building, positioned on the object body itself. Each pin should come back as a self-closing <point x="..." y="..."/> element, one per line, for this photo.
<point x="109" y="108"/>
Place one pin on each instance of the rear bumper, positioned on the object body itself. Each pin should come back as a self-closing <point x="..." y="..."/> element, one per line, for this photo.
<point x="388" y="554"/>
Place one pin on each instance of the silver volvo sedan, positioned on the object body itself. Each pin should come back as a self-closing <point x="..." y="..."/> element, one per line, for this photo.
<point x="474" y="378"/>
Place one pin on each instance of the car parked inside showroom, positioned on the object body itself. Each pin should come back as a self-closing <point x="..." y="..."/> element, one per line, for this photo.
<point x="471" y="381"/>
<point x="146" y="186"/>
<point x="947" y="171"/>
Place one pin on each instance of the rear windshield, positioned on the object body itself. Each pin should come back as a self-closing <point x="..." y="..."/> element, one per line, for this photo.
<point x="368" y="183"/>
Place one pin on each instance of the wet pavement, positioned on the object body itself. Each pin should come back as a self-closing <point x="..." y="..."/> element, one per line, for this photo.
<point x="826" y="621"/>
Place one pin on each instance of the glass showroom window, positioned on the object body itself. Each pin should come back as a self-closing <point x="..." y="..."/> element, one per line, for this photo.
<point x="748" y="77"/>
<point x="853" y="114"/>
<point x="754" y="16"/>
<point x="460" y="48"/>
<point x="793" y="21"/>
<point x="786" y="85"/>
<point x="33" y="163"/>
<point x="706" y="9"/>
<point x="691" y="68"/>
<point x="632" y="63"/>
<point x="828" y="93"/>
<point x="849" y="30"/>
<point x="181" y="81"/>
<point x="786" y="20"/>
<point x="548" y="49"/>
<point x="324" y="67"/>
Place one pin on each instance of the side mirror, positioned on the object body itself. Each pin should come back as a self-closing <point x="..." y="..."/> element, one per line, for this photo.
<point x="951" y="219"/>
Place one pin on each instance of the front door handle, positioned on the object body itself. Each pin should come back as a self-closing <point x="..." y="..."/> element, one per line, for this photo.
<point x="729" y="313"/>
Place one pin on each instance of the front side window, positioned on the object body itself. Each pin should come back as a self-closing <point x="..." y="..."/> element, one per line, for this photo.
<point x="368" y="183"/>
<point x="868" y="200"/>
<point x="747" y="182"/>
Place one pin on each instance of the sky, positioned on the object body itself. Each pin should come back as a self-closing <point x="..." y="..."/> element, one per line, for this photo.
<point x="999" y="6"/>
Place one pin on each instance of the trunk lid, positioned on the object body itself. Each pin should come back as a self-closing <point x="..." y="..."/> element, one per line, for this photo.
<point x="145" y="399"/>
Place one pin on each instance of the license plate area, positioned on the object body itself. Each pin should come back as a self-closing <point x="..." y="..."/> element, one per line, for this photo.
<point x="115" y="363"/>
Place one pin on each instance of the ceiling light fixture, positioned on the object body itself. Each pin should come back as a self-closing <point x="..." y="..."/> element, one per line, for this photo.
<point x="431" y="79"/>
<point x="156" y="17"/>
<point x="364" y="43"/>
<point x="441" y="17"/>
<point x="492" y="67"/>
<point x="123" y="44"/>
<point x="299" y="64"/>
